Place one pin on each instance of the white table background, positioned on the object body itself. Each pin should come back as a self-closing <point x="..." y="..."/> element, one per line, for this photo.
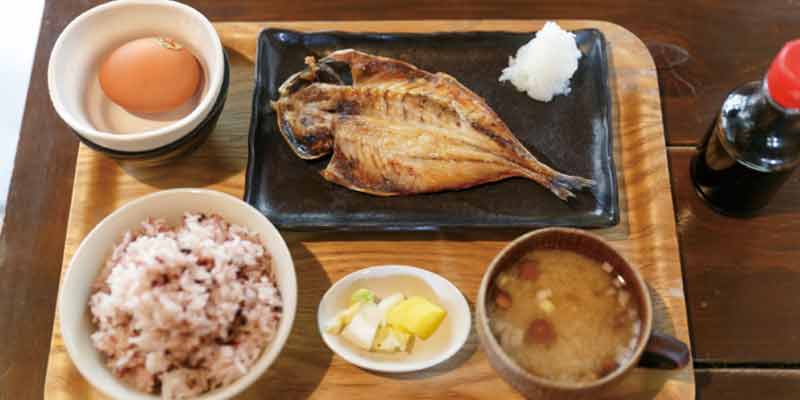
<point x="19" y="32"/>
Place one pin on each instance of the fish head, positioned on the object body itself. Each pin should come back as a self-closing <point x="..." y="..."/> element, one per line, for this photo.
<point x="327" y="70"/>
<point x="306" y="128"/>
<point x="305" y="104"/>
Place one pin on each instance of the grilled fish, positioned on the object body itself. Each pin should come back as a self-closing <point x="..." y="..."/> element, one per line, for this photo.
<point x="395" y="129"/>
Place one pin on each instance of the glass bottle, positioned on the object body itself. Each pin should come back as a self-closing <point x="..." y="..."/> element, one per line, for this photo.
<point x="754" y="144"/>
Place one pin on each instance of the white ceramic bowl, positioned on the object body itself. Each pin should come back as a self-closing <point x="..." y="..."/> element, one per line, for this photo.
<point x="411" y="281"/>
<point x="76" y="326"/>
<point x="72" y="72"/>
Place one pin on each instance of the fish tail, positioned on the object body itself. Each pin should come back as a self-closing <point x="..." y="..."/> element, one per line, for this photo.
<point x="560" y="184"/>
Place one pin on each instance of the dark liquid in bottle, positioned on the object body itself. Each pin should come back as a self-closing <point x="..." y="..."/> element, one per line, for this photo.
<point x="749" y="152"/>
<point x="730" y="186"/>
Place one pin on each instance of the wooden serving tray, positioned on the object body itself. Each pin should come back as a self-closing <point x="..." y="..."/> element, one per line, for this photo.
<point x="306" y="368"/>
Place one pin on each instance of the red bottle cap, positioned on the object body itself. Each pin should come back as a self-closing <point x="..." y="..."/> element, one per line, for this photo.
<point x="783" y="77"/>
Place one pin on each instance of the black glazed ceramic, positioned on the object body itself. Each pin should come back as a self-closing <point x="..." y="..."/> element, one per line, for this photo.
<point x="184" y="145"/>
<point x="571" y="133"/>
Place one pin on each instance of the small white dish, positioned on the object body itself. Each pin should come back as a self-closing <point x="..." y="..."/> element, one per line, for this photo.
<point x="81" y="47"/>
<point x="385" y="280"/>
<point x="76" y="325"/>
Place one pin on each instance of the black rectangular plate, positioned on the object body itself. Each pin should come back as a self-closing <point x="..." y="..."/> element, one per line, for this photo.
<point x="571" y="133"/>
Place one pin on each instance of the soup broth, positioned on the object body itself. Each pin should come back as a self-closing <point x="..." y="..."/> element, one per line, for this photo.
<point x="564" y="316"/>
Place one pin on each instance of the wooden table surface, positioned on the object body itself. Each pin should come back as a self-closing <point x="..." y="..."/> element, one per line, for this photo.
<point x="741" y="275"/>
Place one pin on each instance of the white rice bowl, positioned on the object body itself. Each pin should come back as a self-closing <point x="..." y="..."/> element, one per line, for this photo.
<point x="544" y="66"/>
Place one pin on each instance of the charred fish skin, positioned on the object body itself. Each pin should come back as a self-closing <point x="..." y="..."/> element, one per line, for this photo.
<point x="395" y="129"/>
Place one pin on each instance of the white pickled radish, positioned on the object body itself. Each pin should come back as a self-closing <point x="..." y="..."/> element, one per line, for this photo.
<point x="364" y="326"/>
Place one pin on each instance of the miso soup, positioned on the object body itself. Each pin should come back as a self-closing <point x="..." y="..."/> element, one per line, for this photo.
<point x="564" y="316"/>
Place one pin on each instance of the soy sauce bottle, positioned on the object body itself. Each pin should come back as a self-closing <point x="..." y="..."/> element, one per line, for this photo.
<point x="754" y="144"/>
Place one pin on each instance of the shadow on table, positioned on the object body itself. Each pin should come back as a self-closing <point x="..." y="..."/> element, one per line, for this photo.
<point x="302" y="364"/>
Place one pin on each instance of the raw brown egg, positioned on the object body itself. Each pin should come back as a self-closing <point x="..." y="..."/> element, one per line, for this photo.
<point x="150" y="75"/>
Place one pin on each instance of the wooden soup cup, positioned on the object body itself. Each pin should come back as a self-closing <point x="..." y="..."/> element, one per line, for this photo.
<point x="653" y="350"/>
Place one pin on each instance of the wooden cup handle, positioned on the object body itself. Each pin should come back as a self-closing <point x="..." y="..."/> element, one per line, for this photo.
<point x="664" y="352"/>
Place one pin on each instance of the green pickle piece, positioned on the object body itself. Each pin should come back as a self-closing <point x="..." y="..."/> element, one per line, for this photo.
<point x="362" y="296"/>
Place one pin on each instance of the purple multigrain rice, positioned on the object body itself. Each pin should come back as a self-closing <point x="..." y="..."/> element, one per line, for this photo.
<point x="185" y="310"/>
